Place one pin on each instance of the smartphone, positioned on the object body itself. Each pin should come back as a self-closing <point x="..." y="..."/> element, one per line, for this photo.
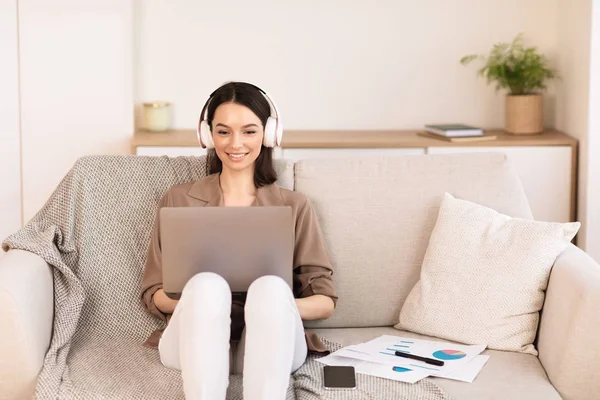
<point x="339" y="377"/>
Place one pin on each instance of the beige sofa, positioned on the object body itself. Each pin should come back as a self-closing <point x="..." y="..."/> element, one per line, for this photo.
<point x="376" y="214"/>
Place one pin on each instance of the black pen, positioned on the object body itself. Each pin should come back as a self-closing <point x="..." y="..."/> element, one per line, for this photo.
<point x="424" y="359"/>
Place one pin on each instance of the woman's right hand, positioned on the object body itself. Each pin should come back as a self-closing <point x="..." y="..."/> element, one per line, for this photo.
<point x="163" y="302"/>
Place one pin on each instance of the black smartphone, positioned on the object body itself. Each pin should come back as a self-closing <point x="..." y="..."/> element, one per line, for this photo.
<point x="339" y="377"/>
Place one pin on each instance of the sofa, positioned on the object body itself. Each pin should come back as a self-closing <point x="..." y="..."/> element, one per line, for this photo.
<point x="376" y="214"/>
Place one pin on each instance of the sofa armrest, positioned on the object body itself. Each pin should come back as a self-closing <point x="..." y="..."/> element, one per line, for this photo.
<point x="26" y="312"/>
<point x="568" y="343"/>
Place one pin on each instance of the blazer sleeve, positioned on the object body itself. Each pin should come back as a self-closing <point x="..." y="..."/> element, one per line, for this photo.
<point x="152" y="278"/>
<point x="313" y="270"/>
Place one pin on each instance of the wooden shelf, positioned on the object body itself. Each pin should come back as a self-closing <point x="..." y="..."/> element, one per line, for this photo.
<point x="363" y="139"/>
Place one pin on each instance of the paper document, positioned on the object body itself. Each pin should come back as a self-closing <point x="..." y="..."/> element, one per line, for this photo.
<point x="382" y="351"/>
<point x="469" y="372"/>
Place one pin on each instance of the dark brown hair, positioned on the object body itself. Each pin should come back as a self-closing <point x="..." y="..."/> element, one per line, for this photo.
<point x="250" y="96"/>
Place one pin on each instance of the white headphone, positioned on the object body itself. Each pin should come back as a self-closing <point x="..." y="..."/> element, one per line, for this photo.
<point x="273" y="127"/>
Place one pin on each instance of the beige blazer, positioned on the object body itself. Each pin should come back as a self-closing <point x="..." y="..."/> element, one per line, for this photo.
<point x="312" y="266"/>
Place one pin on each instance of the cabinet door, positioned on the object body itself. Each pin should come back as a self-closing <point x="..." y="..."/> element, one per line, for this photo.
<point x="545" y="173"/>
<point x="171" y="151"/>
<point x="299" y="154"/>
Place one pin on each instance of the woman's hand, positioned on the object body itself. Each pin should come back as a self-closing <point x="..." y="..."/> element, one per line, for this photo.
<point x="315" y="307"/>
<point x="163" y="302"/>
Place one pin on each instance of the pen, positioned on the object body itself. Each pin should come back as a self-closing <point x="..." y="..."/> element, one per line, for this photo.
<point x="424" y="359"/>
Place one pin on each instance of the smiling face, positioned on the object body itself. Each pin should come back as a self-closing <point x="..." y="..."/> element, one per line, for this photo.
<point x="238" y="135"/>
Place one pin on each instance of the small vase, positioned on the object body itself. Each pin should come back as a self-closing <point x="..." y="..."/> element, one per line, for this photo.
<point x="524" y="114"/>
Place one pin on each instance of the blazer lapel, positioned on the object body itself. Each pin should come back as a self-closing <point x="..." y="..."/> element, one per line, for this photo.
<point x="207" y="190"/>
<point x="269" y="195"/>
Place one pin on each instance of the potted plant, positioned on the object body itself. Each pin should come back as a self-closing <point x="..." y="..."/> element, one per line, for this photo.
<point x="523" y="71"/>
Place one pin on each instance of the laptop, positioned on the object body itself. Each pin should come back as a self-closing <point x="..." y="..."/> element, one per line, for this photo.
<point x="239" y="243"/>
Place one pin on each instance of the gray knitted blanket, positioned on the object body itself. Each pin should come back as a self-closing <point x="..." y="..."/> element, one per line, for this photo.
<point x="94" y="231"/>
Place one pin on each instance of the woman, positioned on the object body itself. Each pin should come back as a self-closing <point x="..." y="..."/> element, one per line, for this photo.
<point x="239" y="124"/>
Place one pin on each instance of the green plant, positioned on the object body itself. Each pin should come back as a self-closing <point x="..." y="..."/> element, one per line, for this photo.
<point x="512" y="65"/>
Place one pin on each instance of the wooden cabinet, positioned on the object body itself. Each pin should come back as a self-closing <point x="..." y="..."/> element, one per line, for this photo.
<point x="546" y="163"/>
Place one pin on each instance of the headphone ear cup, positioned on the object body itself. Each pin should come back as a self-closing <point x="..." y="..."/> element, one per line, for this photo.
<point x="270" y="137"/>
<point x="205" y="136"/>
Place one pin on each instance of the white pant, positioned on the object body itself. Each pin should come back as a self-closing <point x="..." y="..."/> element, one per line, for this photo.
<point x="196" y="340"/>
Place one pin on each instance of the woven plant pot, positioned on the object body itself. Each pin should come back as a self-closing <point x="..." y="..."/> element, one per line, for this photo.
<point x="524" y="114"/>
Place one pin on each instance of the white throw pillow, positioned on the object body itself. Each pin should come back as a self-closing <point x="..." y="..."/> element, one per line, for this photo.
<point x="484" y="277"/>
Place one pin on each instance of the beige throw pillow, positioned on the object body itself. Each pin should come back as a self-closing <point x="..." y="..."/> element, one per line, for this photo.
<point x="484" y="277"/>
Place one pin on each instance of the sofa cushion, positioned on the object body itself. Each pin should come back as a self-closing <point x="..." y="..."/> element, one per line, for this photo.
<point x="506" y="375"/>
<point x="484" y="277"/>
<point x="377" y="213"/>
<point x="285" y="173"/>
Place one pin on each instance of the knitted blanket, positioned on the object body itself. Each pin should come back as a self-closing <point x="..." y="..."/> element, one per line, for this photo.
<point x="94" y="231"/>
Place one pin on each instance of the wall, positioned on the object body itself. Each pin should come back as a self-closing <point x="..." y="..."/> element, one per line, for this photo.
<point x="76" y="87"/>
<point x="10" y="177"/>
<point x="573" y="99"/>
<point x="336" y="64"/>
<point x="593" y="144"/>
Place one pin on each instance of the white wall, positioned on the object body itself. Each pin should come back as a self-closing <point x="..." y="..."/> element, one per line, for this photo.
<point x="336" y="64"/>
<point x="76" y="87"/>
<point x="10" y="176"/>
<point x="593" y="144"/>
<point x="573" y="98"/>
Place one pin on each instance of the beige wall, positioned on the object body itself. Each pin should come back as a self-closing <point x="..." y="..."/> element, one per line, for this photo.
<point x="574" y="108"/>
<point x="593" y="182"/>
<point x="10" y="177"/>
<point x="76" y="87"/>
<point x="338" y="63"/>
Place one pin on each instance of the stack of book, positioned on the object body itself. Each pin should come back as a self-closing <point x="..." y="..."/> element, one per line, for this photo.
<point x="455" y="132"/>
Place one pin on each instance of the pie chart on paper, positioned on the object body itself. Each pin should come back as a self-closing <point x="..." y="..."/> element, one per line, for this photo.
<point x="449" y="354"/>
